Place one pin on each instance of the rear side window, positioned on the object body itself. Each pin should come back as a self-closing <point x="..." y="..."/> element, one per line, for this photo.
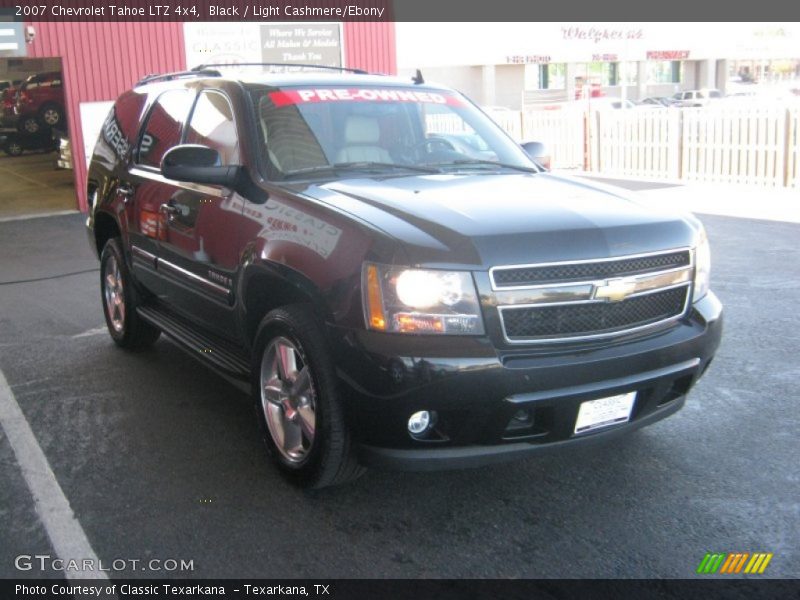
<point x="163" y="127"/>
<point x="212" y="124"/>
<point x="121" y="126"/>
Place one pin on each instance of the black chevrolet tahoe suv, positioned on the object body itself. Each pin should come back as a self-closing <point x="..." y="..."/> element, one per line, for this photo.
<point x="394" y="280"/>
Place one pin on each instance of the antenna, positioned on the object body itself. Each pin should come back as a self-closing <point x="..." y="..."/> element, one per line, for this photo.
<point x="417" y="78"/>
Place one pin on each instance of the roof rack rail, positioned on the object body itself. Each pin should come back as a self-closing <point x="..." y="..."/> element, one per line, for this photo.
<point x="260" y="64"/>
<point x="178" y="75"/>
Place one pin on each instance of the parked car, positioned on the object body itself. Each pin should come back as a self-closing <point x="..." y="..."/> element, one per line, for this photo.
<point x="658" y="101"/>
<point x="384" y="299"/>
<point x="8" y="98"/>
<point x="612" y="103"/>
<point x="696" y="98"/>
<point x="40" y="102"/>
<point x="14" y="143"/>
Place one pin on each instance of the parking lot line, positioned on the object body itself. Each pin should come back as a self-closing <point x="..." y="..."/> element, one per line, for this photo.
<point x="25" y="217"/>
<point x="65" y="532"/>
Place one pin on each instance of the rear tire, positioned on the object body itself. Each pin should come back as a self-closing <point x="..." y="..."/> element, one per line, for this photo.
<point x="297" y="402"/>
<point x="120" y="299"/>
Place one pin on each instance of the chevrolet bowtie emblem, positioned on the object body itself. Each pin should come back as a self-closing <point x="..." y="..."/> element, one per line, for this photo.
<point x="615" y="290"/>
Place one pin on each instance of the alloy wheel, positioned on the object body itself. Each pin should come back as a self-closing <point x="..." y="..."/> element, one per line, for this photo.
<point x="288" y="400"/>
<point x="51" y="116"/>
<point x="114" y="294"/>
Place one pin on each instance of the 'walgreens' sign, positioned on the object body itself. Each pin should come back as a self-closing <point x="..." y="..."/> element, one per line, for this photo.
<point x="289" y="97"/>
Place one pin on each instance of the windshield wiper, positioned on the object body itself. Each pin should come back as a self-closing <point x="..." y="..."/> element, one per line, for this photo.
<point x="360" y="166"/>
<point x="492" y="163"/>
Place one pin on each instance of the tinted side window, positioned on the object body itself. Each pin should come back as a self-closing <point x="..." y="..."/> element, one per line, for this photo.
<point x="163" y="128"/>
<point x="212" y="125"/>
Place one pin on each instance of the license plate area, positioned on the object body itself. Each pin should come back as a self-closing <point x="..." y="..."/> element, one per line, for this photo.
<point x="604" y="412"/>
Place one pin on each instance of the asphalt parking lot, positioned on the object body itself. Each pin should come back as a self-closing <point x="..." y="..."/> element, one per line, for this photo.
<point x="160" y="458"/>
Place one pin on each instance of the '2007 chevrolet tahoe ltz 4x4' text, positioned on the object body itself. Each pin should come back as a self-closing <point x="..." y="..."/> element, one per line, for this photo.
<point x="394" y="279"/>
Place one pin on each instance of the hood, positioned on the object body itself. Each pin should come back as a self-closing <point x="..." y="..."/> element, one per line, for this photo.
<point x="485" y="220"/>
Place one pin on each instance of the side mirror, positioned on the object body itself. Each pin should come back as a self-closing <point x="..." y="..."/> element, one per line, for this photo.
<point x="538" y="152"/>
<point x="195" y="163"/>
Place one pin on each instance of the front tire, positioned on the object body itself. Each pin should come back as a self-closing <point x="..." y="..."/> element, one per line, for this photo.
<point x="295" y="395"/>
<point x="120" y="300"/>
<point x="29" y="125"/>
<point x="51" y="115"/>
<point x="13" y="149"/>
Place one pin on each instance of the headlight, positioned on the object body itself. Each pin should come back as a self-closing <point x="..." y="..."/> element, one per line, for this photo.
<point x="702" y="267"/>
<point x="420" y="301"/>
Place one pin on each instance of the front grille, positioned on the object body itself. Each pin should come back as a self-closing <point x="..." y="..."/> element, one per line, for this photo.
<point x="592" y="318"/>
<point x="587" y="271"/>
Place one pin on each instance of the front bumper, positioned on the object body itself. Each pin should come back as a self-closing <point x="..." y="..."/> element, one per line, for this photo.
<point x="477" y="389"/>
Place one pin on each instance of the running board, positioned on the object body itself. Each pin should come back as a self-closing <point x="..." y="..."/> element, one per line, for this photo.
<point x="221" y="356"/>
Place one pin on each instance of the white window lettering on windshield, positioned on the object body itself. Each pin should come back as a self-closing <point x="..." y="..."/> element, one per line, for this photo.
<point x="303" y="96"/>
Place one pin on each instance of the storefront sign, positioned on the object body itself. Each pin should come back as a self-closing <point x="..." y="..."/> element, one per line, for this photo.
<point x="601" y="34"/>
<point x="605" y="57"/>
<point x="667" y="54"/>
<point x="529" y="59"/>
<point x="316" y="44"/>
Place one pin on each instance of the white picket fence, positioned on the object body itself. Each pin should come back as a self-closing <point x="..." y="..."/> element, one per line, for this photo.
<point x="735" y="145"/>
<point x="642" y="145"/>
<point x="793" y="147"/>
<point x="749" y="144"/>
<point x="562" y="131"/>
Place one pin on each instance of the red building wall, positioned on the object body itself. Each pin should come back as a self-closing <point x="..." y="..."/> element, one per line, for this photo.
<point x="101" y="60"/>
<point x="370" y="46"/>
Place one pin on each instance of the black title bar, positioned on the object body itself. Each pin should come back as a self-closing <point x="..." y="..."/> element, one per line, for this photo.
<point x="398" y="10"/>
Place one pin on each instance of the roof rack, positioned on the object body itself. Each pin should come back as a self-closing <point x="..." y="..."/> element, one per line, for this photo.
<point x="288" y="65"/>
<point x="196" y="72"/>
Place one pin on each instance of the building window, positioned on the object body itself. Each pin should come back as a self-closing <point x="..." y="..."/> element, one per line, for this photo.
<point x="606" y="74"/>
<point x="631" y="73"/>
<point x="556" y="77"/>
<point x="664" y="71"/>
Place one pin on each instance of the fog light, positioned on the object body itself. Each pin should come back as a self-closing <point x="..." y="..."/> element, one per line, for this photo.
<point x="522" y="416"/>
<point x="420" y="422"/>
<point x="520" y="421"/>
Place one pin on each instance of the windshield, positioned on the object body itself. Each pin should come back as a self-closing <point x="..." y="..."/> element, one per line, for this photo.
<point x="308" y="132"/>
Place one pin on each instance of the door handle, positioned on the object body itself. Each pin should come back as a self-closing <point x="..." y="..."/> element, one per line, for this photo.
<point x="126" y="191"/>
